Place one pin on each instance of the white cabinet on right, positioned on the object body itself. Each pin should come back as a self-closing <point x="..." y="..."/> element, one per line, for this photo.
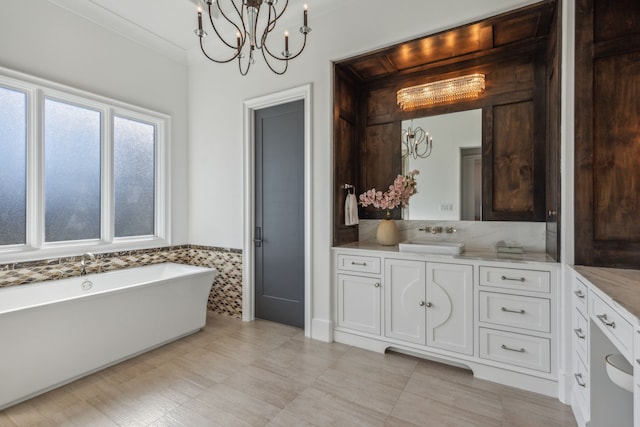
<point x="515" y="317"/>
<point x="430" y="303"/>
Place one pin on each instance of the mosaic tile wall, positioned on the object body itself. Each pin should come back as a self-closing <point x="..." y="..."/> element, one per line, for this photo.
<point x="226" y="292"/>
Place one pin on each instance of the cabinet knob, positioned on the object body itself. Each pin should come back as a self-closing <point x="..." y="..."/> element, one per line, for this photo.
<point x="428" y="304"/>
<point x="377" y="285"/>
<point x="422" y="303"/>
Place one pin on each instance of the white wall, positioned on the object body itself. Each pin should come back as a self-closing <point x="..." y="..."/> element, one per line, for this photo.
<point x="216" y="93"/>
<point x="46" y="41"/>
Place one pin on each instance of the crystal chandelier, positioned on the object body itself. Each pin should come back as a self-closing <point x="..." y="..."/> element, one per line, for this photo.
<point x="252" y="24"/>
<point x="454" y="89"/>
<point x="416" y="143"/>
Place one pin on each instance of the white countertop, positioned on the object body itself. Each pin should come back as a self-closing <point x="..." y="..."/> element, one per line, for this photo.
<point x="473" y="254"/>
<point x="621" y="285"/>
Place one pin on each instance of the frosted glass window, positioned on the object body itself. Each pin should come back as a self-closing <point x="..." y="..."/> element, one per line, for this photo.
<point x="72" y="172"/>
<point x="13" y="166"/>
<point x="134" y="177"/>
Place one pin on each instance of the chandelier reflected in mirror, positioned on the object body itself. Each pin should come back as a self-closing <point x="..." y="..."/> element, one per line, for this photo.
<point x="416" y="143"/>
<point x="252" y="21"/>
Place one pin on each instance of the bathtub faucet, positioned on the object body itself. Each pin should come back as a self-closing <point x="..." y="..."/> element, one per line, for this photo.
<point x="83" y="267"/>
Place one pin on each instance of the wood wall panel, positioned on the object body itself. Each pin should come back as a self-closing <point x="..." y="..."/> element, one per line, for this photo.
<point x="513" y="158"/>
<point x="345" y="161"/>
<point x="381" y="161"/>
<point x="616" y="148"/>
<point x="607" y="133"/>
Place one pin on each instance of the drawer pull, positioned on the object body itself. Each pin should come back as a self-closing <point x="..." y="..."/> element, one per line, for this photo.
<point x="579" y="380"/>
<point x="603" y="319"/>
<point x="514" y="279"/>
<point x="377" y="285"/>
<point x="518" y="350"/>
<point x="579" y="293"/>
<point x="579" y="333"/>
<point x="521" y="311"/>
<point x="363" y="264"/>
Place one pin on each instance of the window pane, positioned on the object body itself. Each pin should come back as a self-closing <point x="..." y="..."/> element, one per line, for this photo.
<point x="13" y="169"/>
<point x="72" y="172"/>
<point x="134" y="174"/>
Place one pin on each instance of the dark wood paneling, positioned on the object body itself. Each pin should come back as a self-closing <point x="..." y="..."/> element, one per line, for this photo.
<point x="616" y="149"/>
<point x="380" y="163"/>
<point x="607" y="132"/>
<point x="512" y="161"/>
<point x="345" y="162"/>
<point x="613" y="19"/>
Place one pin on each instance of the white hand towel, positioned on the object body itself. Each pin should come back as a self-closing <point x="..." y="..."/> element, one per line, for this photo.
<point x="351" y="210"/>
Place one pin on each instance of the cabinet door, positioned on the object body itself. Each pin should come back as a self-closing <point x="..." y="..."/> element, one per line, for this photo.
<point x="405" y="300"/>
<point x="450" y="307"/>
<point x="359" y="303"/>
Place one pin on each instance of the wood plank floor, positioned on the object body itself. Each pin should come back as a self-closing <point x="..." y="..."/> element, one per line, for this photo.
<point x="264" y="374"/>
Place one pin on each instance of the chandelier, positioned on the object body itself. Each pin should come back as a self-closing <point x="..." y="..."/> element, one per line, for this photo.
<point x="253" y="24"/>
<point x="455" y="89"/>
<point x="416" y="143"/>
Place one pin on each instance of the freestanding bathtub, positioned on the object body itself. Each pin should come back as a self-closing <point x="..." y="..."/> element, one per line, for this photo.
<point x="52" y="333"/>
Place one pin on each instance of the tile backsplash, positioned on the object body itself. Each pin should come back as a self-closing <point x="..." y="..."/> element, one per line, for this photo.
<point x="226" y="292"/>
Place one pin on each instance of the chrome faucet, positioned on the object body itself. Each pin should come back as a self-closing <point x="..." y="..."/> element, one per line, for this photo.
<point x="83" y="266"/>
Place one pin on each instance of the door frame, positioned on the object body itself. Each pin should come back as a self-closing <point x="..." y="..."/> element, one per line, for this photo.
<point x="248" y="254"/>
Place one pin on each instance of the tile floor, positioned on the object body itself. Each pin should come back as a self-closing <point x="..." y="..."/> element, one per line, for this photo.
<point x="264" y="374"/>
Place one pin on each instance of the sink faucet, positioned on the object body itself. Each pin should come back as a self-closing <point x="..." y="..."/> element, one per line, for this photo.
<point x="83" y="267"/>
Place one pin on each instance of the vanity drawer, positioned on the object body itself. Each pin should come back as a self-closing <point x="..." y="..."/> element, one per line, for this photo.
<point x="580" y="335"/>
<point x="580" y="295"/>
<point x="516" y="311"/>
<point x="512" y="278"/>
<point x="515" y="349"/>
<point x="613" y="325"/>
<point x="581" y="382"/>
<point x="361" y="264"/>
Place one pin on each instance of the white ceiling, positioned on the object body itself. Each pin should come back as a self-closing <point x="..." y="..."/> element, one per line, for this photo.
<point x="165" y="26"/>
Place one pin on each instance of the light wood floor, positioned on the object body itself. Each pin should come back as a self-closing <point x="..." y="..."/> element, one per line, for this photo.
<point x="264" y="374"/>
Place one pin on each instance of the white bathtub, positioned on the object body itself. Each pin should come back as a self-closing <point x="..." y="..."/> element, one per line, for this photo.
<point x="52" y="333"/>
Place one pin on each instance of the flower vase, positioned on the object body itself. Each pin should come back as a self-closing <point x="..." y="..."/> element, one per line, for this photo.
<point x="388" y="234"/>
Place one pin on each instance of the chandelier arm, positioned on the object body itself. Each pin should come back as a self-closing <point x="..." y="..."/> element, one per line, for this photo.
<point x="243" y="73"/>
<point x="278" y="15"/>
<point x="216" y="30"/>
<point x="241" y="31"/>
<point x="270" y="26"/>
<point x="266" y="60"/>
<point x="224" y="61"/>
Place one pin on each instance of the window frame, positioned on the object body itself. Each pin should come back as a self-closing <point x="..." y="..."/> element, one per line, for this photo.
<point x="37" y="90"/>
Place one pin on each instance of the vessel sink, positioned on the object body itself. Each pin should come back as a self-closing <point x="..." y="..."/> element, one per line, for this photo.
<point x="451" y="248"/>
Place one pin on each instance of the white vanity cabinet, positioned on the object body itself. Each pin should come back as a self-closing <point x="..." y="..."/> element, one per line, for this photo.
<point x="359" y="288"/>
<point x="497" y="318"/>
<point x="580" y="390"/>
<point x="603" y="328"/>
<point x="515" y="316"/>
<point x="429" y="303"/>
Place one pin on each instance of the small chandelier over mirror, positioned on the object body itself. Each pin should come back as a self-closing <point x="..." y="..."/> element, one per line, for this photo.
<point x="416" y="143"/>
<point x="455" y="89"/>
<point x="253" y="22"/>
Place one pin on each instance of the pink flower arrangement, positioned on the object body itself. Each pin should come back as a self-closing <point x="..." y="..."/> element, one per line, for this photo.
<point x="398" y="194"/>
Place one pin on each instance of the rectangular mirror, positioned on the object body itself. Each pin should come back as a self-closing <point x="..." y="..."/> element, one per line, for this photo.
<point x="450" y="179"/>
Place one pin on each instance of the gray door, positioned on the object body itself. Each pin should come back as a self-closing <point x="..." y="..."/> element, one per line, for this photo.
<point x="279" y="214"/>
